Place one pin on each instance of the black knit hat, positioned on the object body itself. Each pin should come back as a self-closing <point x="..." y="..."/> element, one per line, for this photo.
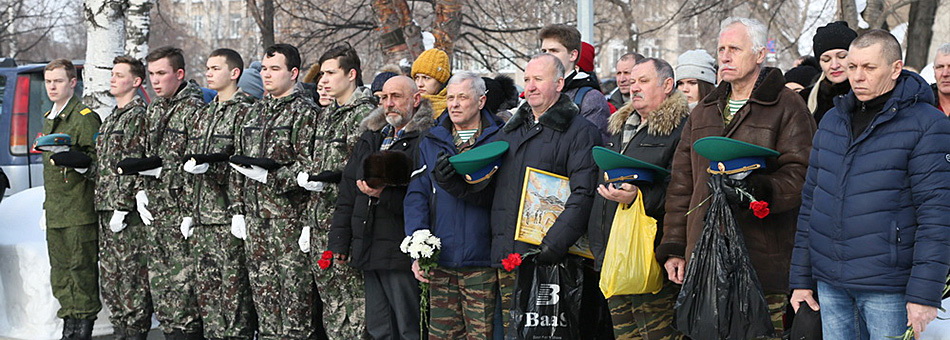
<point x="804" y="75"/>
<point x="833" y="36"/>
<point x="380" y="80"/>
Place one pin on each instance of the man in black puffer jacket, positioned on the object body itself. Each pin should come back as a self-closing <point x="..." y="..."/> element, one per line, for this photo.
<point x="367" y="225"/>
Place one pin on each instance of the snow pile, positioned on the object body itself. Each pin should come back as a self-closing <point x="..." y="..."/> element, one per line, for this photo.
<point x="27" y="306"/>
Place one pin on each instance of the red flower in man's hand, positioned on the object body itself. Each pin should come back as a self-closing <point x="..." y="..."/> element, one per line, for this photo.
<point x="326" y="259"/>
<point x="512" y="262"/>
<point x="759" y="208"/>
<point x="324" y="264"/>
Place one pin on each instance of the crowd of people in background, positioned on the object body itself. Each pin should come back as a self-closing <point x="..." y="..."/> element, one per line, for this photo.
<point x="276" y="206"/>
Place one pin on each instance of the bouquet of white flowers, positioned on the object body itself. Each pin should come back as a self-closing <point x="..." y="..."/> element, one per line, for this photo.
<point x="423" y="247"/>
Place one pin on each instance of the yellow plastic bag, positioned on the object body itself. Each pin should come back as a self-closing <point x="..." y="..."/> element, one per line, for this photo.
<point x="629" y="263"/>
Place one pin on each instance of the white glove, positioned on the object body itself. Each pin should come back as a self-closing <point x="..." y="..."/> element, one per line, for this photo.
<point x="193" y="167"/>
<point x="304" y="240"/>
<point x="43" y="220"/>
<point x="117" y="223"/>
<point x="254" y="172"/>
<point x="152" y="172"/>
<point x="303" y="180"/>
<point x="238" y="227"/>
<point x="186" y="227"/>
<point x="141" y="201"/>
<point x="81" y="170"/>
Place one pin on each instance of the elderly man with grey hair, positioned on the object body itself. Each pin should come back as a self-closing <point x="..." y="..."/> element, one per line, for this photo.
<point x="942" y="73"/>
<point x="752" y="105"/>
<point x="546" y="133"/>
<point x="463" y="285"/>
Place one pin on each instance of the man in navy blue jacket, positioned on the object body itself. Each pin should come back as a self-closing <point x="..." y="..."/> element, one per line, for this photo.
<point x="464" y="285"/>
<point x="873" y="232"/>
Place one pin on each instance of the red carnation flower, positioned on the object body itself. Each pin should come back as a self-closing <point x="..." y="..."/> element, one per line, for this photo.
<point x="759" y="208"/>
<point x="512" y="262"/>
<point x="323" y="263"/>
<point x="327" y="255"/>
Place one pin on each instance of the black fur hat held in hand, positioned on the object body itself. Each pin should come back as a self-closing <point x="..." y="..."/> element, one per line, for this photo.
<point x="391" y="168"/>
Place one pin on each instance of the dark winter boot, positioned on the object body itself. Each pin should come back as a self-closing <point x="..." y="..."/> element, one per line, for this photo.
<point x="175" y="335"/>
<point x="69" y="328"/>
<point x="194" y="336"/>
<point x="84" y="329"/>
<point x="136" y="336"/>
<point x="118" y="333"/>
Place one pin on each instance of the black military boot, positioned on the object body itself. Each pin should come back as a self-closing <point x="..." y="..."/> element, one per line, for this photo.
<point x="175" y="335"/>
<point x="136" y="336"/>
<point x="84" y="329"/>
<point x="194" y="336"/>
<point x="69" y="328"/>
<point x="118" y="333"/>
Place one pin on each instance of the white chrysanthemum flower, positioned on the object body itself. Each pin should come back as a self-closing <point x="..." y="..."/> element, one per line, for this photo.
<point x="427" y="252"/>
<point x="421" y="234"/>
<point x="435" y="242"/>
<point x="415" y="249"/>
<point x="404" y="246"/>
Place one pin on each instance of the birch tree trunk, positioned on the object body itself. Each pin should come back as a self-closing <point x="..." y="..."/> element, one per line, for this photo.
<point x="137" y="24"/>
<point x="105" y="34"/>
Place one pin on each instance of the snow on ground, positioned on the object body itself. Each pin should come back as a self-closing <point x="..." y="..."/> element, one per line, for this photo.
<point x="27" y="306"/>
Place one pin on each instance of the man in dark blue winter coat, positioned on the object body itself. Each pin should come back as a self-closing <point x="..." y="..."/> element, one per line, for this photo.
<point x="463" y="227"/>
<point x="873" y="234"/>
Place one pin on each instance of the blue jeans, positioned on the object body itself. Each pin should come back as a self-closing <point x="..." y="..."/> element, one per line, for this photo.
<point x="855" y="314"/>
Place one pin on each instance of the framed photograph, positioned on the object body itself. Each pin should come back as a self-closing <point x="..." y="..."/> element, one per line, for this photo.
<point x="543" y="197"/>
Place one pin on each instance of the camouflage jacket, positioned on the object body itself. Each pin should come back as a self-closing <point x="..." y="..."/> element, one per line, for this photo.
<point x="169" y="121"/>
<point x="280" y="129"/>
<point x="69" y="194"/>
<point x="122" y="135"/>
<point x="337" y="134"/>
<point x="213" y="132"/>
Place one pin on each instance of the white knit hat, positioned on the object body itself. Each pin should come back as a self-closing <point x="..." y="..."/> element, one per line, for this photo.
<point x="696" y="64"/>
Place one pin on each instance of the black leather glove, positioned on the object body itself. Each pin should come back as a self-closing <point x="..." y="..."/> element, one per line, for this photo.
<point x="266" y="163"/>
<point x="548" y="256"/>
<point x="444" y="171"/>
<point x="327" y="177"/>
<point x="756" y="186"/>
<point x="71" y="159"/>
<point x="731" y="188"/>
<point x="207" y="158"/>
<point x="132" y="166"/>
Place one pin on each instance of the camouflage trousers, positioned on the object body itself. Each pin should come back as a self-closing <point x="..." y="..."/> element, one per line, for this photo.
<point x="462" y="303"/>
<point x="73" y="273"/>
<point x="341" y="290"/>
<point x="171" y="274"/>
<point x="645" y="316"/>
<point x="281" y="281"/>
<point x="123" y="263"/>
<point x="223" y="288"/>
<point x="777" y="306"/>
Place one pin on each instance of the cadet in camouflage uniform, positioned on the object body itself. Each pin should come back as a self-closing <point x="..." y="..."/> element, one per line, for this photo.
<point x="464" y="285"/>
<point x="69" y="216"/>
<point x="171" y="267"/>
<point x="123" y="259"/>
<point x="224" y="292"/>
<point x="340" y="287"/>
<point x="274" y="145"/>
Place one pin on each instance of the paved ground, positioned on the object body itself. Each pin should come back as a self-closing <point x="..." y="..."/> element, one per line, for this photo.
<point x="153" y="335"/>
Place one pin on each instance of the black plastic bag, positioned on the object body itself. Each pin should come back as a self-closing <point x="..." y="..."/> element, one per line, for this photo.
<point x="546" y="301"/>
<point x="721" y="297"/>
